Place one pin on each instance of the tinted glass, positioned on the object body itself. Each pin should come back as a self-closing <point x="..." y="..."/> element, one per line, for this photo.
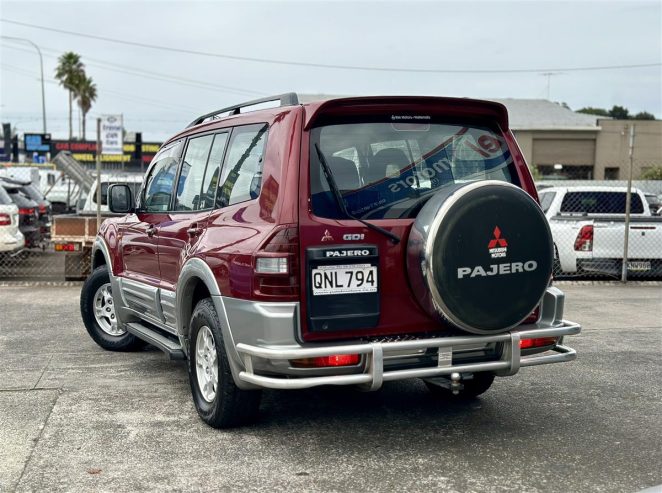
<point x="192" y="174"/>
<point x="4" y="197"/>
<point x="241" y="178"/>
<point x="546" y="199"/>
<point x="388" y="169"/>
<point x="160" y="183"/>
<point x="210" y="182"/>
<point x="20" y="199"/>
<point x="600" y="203"/>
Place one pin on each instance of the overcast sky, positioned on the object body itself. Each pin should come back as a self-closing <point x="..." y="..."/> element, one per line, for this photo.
<point x="543" y="36"/>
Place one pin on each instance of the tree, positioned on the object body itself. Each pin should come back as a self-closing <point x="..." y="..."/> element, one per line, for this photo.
<point x="68" y="72"/>
<point x="619" y="113"/>
<point x="593" y="111"/>
<point x="86" y="94"/>
<point x="653" y="173"/>
<point x="644" y="115"/>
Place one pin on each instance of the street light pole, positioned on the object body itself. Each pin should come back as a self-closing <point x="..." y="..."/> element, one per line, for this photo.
<point x="41" y="66"/>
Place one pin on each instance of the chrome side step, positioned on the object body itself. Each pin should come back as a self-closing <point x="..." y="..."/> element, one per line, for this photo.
<point x="172" y="348"/>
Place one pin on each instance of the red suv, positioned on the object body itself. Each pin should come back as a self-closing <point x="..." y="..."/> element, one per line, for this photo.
<point x="348" y="241"/>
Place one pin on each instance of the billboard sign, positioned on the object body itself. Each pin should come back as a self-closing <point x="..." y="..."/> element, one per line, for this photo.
<point x="112" y="135"/>
<point x="37" y="142"/>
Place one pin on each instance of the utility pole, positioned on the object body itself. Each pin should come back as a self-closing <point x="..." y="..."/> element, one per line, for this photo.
<point x="98" y="173"/>
<point x="41" y="65"/>
<point x="628" y="199"/>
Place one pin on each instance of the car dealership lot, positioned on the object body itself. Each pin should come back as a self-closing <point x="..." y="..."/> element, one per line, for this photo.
<point x="77" y="418"/>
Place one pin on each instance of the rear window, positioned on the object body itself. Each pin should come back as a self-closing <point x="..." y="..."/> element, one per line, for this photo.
<point x="600" y="203"/>
<point x="32" y="192"/>
<point x="546" y="199"/>
<point x="389" y="169"/>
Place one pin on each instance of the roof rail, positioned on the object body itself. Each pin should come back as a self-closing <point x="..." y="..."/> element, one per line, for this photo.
<point x="287" y="99"/>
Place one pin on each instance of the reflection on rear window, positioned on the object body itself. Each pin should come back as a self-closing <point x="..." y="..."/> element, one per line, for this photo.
<point x="600" y="203"/>
<point x="387" y="170"/>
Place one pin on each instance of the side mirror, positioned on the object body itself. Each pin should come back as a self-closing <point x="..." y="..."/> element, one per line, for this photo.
<point x="120" y="199"/>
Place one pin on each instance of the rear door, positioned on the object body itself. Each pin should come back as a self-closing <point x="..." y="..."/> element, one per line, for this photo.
<point x="179" y="235"/>
<point x="386" y="166"/>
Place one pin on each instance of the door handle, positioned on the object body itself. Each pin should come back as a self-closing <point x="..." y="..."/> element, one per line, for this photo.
<point x="151" y="230"/>
<point x="194" y="230"/>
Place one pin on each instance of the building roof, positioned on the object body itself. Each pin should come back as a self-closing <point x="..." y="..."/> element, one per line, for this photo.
<point x="541" y="114"/>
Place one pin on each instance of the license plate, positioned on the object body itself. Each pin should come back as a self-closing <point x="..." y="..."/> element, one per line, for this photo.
<point x="344" y="279"/>
<point x="639" y="266"/>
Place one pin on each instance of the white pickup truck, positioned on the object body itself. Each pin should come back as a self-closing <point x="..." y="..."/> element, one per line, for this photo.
<point x="588" y="227"/>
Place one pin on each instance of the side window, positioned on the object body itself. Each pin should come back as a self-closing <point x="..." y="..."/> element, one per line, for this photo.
<point x="160" y="183"/>
<point x="546" y="199"/>
<point x="193" y="173"/>
<point x="241" y="177"/>
<point x="210" y="182"/>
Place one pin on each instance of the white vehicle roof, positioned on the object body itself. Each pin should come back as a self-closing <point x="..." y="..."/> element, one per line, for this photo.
<point x="121" y="178"/>
<point x="587" y="189"/>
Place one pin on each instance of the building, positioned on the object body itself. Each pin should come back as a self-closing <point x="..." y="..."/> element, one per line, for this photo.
<point x="559" y="143"/>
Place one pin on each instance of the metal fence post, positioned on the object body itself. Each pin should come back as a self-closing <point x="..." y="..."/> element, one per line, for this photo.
<point x="628" y="197"/>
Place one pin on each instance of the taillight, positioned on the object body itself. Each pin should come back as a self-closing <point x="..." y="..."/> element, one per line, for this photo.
<point x="538" y="342"/>
<point x="42" y="209"/>
<point x="584" y="241"/>
<point x="5" y="220"/>
<point x="325" y="361"/>
<point x="276" y="265"/>
<point x="26" y="212"/>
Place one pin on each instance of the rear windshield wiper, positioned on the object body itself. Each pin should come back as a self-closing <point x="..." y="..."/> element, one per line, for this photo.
<point x="341" y="203"/>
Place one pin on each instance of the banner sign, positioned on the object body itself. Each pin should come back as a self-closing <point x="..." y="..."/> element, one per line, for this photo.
<point x="37" y="142"/>
<point x="85" y="151"/>
<point x="112" y="135"/>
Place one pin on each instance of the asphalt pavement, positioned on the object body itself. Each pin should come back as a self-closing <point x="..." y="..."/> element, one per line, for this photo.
<point x="76" y="418"/>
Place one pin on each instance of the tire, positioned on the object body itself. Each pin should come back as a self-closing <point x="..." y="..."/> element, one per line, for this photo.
<point x="479" y="384"/>
<point x="108" y="336"/>
<point x="224" y="405"/>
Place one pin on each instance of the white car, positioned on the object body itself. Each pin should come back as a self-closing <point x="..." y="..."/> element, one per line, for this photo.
<point x="588" y="229"/>
<point x="11" y="239"/>
<point x="89" y="206"/>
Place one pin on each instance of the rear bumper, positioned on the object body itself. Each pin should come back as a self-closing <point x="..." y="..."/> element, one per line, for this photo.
<point x="263" y="360"/>
<point x="374" y="375"/>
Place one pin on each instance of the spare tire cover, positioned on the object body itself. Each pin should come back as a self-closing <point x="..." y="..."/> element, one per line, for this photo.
<point x="480" y="256"/>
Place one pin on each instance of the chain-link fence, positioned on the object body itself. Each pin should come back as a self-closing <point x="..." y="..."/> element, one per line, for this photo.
<point x="589" y="220"/>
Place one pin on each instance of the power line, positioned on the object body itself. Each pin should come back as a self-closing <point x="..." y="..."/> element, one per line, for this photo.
<point x="323" y="65"/>
<point x="103" y="64"/>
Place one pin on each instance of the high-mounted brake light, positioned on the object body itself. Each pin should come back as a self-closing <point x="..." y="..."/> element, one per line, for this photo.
<point x="538" y="342"/>
<point x="5" y="220"/>
<point x="584" y="241"/>
<point x="276" y="265"/>
<point x="325" y="361"/>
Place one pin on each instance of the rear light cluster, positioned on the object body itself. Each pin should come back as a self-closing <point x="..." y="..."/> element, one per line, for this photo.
<point x="5" y="220"/>
<point x="26" y="212"/>
<point x="538" y="342"/>
<point x="584" y="241"/>
<point x="326" y="361"/>
<point x="276" y="265"/>
<point x="42" y="209"/>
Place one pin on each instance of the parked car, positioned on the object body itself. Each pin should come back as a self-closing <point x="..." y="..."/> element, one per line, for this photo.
<point x="89" y="205"/>
<point x="344" y="242"/>
<point x="11" y="238"/>
<point x="588" y="227"/>
<point x="44" y="208"/>
<point x="28" y="214"/>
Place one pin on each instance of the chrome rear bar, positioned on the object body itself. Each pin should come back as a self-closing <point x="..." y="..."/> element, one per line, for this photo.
<point x="373" y="370"/>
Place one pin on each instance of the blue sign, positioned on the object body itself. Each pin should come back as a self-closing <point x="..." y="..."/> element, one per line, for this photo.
<point x="37" y="142"/>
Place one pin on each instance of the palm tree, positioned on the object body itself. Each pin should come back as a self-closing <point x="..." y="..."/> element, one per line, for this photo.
<point x="69" y="71"/>
<point x="86" y="94"/>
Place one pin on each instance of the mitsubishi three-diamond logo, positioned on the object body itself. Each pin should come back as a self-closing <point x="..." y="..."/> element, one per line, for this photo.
<point x="498" y="247"/>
